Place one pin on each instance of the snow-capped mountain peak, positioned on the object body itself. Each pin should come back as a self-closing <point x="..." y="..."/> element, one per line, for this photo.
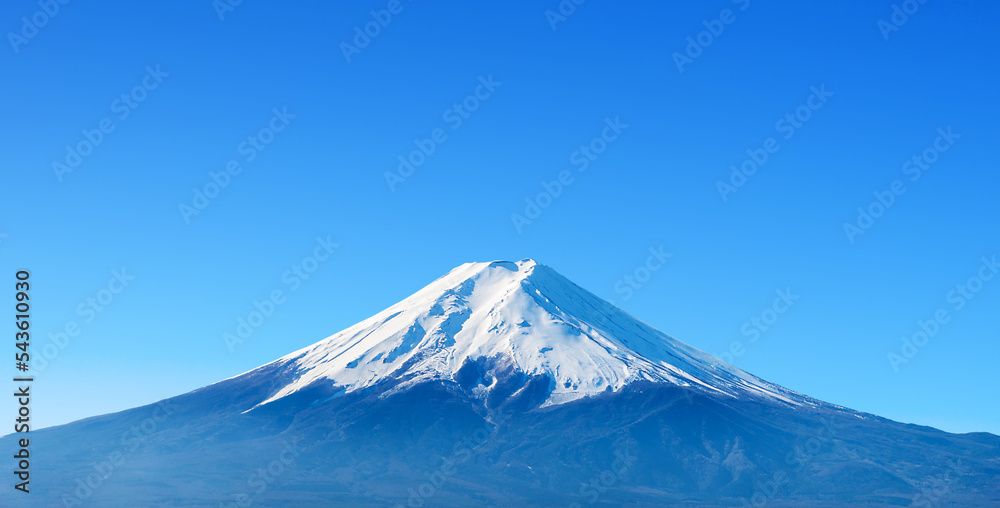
<point x="513" y="317"/>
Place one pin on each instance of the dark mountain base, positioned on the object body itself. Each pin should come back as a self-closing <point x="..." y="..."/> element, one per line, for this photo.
<point x="434" y="445"/>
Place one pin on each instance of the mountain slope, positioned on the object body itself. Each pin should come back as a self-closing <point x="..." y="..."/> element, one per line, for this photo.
<point x="502" y="384"/>
<point x="530" y="318"/>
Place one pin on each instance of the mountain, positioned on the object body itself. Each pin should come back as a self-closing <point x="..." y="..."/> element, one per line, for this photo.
<point x="502" y="384"/>
<point x="502" y="319"/>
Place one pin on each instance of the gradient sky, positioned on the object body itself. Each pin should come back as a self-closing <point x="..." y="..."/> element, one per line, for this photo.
<point x="655" y="185"/>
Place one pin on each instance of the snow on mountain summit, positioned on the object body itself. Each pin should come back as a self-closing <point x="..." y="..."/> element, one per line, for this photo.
<point x="525" y="317"/>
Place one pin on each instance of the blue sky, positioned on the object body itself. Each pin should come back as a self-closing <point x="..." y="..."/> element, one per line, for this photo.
<point x="491" y="104"/>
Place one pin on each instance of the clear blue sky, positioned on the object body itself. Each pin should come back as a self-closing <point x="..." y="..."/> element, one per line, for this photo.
<point x="542" y="94"/>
